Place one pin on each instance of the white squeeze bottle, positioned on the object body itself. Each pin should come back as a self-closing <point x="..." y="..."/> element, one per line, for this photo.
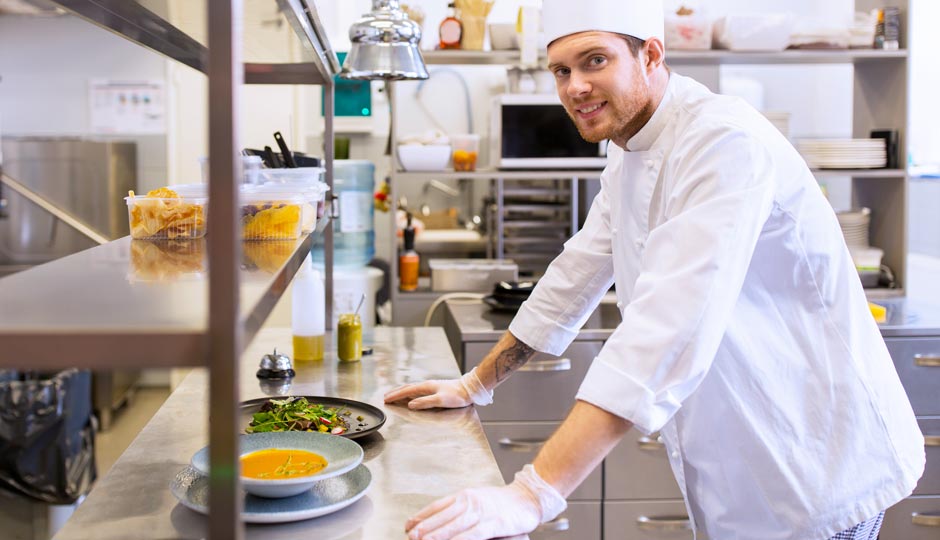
<point x="307" y="313"/>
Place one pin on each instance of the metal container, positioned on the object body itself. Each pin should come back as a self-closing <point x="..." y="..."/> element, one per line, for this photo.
<point x="86" y="179"/>
<point x="471" y="274"/>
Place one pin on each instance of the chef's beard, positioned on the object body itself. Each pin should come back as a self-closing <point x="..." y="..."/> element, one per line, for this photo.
<point x="626" y="114"/>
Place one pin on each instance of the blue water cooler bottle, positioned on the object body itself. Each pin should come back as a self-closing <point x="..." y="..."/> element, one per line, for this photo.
<point x="353" y="232"/>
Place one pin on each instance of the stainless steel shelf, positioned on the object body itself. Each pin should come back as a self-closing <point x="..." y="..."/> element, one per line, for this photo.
<point x="676" y="57"/>
<point x="861" y="173"/>
<point x="134" y="303"/>
<point x="134" y="21"/>
<point x="490" y="174"/>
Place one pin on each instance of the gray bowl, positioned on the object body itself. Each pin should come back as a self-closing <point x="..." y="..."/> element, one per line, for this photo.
<point x="341" y="455"/>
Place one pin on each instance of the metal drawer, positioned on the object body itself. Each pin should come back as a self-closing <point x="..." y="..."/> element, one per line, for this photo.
<point x="515" y="444"/>
<point x="914" y="518"/>
<point x="542" y="390"/>
<point x="918" y="363"/>
<point x="659" y="520"/>
<point x="638" y="468"/>
<point x="580" y="521"/>
<point x="929" y="483"/>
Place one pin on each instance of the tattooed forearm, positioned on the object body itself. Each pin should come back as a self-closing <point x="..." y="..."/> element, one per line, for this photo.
<point x="511" y="358"/>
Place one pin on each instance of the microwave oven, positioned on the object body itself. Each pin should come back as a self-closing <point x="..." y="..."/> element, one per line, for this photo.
<point x="533" y="131"/>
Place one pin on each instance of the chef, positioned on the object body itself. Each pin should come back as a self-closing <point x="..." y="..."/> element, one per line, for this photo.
<point x="746" y="339"/>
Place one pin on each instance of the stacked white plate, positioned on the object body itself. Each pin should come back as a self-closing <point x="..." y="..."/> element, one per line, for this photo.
<point x="843" y="153"/>
<point x="854" y="225"/>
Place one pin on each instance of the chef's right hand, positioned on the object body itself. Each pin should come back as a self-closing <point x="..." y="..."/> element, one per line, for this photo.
<point x="449" y="394"/>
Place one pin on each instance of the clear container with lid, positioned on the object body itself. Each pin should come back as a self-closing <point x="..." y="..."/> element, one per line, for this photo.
<point x="313" y="196"/>
<point x="155" y="217"/>
<point x="270" y="216"/>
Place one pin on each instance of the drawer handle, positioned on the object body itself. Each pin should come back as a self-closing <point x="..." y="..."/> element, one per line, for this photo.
<point x="651" y="445"/>
<point x="561" y="364"/>
<point x="522" y="445"/>
<point x="925" y="520"/>
<point x="932" y="440"/>
<point x="927" y="360"/>
<point x="556" y="525"/>
<point x="666" y="523"/>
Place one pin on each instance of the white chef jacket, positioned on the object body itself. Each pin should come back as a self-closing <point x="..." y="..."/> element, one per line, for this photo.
<point x="746" y="336"/>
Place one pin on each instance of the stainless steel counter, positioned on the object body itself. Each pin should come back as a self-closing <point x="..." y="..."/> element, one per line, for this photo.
<point x="415" y="458"/>
<point x="907" y="317"/>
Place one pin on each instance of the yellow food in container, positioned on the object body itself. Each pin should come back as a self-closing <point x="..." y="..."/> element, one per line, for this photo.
<point x="163" y="214"/>
<point x="266" y="217"/>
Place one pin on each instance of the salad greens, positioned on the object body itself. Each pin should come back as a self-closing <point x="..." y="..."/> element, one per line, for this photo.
<point x="297" y="414"/>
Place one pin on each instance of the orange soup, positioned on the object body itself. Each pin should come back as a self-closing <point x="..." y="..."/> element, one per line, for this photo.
<point x="278" y="464"/>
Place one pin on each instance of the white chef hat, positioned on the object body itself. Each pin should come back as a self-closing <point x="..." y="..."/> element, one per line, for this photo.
<point x="641" y="19"/>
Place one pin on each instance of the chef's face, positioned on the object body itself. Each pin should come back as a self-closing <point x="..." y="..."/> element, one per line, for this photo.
<point x="605" y="89"/>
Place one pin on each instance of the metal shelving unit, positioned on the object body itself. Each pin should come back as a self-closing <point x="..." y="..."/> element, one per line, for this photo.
<point x="95" y="308"/>
<point x="880" y="102"/>
<point x="710" y="57"/>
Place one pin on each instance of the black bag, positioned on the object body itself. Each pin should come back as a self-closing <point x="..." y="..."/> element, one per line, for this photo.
<point x="47" y="435"/>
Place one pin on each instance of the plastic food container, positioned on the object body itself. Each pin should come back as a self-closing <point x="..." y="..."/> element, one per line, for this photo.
<point x="688" y="32"/>
<point x="297" y="175"/>
<point x="867" y="259"/>
<point x="313" y="196"/>
<point x="170" y="218"/>
<point x="271" y="216"/>
<point x="753" y="32"/>
<point x="466" y="148"/>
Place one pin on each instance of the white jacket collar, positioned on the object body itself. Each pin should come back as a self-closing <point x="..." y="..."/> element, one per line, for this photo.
<point x="644" y="139"/>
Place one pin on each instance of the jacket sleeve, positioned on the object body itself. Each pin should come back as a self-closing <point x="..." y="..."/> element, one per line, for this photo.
<point x="572" y="286"/>
<point x="691" y="272"/>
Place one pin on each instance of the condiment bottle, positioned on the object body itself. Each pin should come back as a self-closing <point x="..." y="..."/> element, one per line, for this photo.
<point x="451" y="29"/>
<point x="408" y="261"/>
<point x="349" y="337"/>
<point x="308" y="314"/>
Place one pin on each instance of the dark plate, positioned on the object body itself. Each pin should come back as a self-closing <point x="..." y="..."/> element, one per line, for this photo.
<point x="373" y="417"/>
<point x="497" y="305"/>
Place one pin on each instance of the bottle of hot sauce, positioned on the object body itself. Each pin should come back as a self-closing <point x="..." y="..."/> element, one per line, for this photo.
<point x="408" y="261"/>
<point x="451" y="29"/>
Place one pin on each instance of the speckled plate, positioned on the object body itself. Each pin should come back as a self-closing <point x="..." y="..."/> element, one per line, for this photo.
<point x="372" y="416"/>
<point x="341" y="455"/>
<point x="191" y="489"/>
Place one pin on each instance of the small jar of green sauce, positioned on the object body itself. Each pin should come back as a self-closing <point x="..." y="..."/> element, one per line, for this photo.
<point x="349" y="337"/>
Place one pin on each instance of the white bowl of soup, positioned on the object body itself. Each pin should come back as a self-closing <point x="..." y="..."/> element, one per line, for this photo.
<point x="283" y="464"/>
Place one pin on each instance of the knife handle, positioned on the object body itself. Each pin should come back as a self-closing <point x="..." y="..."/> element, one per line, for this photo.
<point x="285" y="152"/>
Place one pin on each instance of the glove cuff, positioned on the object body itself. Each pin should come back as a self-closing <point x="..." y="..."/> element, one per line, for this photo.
<point x="478" y="393"/>
<point x="550" y="502"/>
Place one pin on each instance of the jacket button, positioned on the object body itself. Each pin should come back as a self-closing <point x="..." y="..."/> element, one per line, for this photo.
<point x="675" y="454"/>
<point x="639" y="243"/>
<point x="613" y="231"/>
<point x="649" y="163"/>
<point x="619" y="305"/>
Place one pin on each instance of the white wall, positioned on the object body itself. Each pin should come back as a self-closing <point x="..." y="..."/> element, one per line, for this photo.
<point x="924" y="145"/>
<point x="45" y="66"/>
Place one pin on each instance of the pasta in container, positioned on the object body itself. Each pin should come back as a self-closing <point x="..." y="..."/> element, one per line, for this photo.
<point x="164" y="214"/>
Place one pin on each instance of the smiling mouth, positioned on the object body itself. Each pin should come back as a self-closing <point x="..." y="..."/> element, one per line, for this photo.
<point x="589" y="111"/>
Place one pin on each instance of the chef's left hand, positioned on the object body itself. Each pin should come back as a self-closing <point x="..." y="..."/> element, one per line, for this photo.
<point x="489" y="512"/>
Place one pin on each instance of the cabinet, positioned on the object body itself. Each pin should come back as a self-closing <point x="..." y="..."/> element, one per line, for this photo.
<point x="918" y="363"/>
<point x="92" y="310"/>
<point x="879" y="101"/>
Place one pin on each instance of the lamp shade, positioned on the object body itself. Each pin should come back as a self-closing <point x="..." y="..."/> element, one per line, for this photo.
<point x="384" y="45"/>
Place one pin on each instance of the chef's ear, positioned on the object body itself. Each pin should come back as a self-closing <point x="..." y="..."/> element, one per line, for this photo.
<point x="654" y="54"/>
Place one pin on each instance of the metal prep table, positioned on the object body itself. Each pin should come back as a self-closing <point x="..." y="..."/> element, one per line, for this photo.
<point x="415" y="458"/>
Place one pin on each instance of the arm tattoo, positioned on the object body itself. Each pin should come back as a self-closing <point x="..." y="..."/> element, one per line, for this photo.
<point x="514" y="357"/>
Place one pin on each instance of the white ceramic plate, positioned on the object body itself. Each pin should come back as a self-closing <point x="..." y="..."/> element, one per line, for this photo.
<point x="341" y="456"/>
<point x="191" y="489"/>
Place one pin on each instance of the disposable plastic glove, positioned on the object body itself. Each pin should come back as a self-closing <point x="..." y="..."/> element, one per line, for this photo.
<point x="450" y="393"/>
<point x="490" y="512"/>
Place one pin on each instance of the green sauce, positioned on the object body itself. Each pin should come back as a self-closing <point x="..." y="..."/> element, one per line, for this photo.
<point x="349" y="338"/>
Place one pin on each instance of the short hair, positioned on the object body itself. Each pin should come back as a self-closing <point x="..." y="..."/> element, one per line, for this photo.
<point x="634" y="43"/>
